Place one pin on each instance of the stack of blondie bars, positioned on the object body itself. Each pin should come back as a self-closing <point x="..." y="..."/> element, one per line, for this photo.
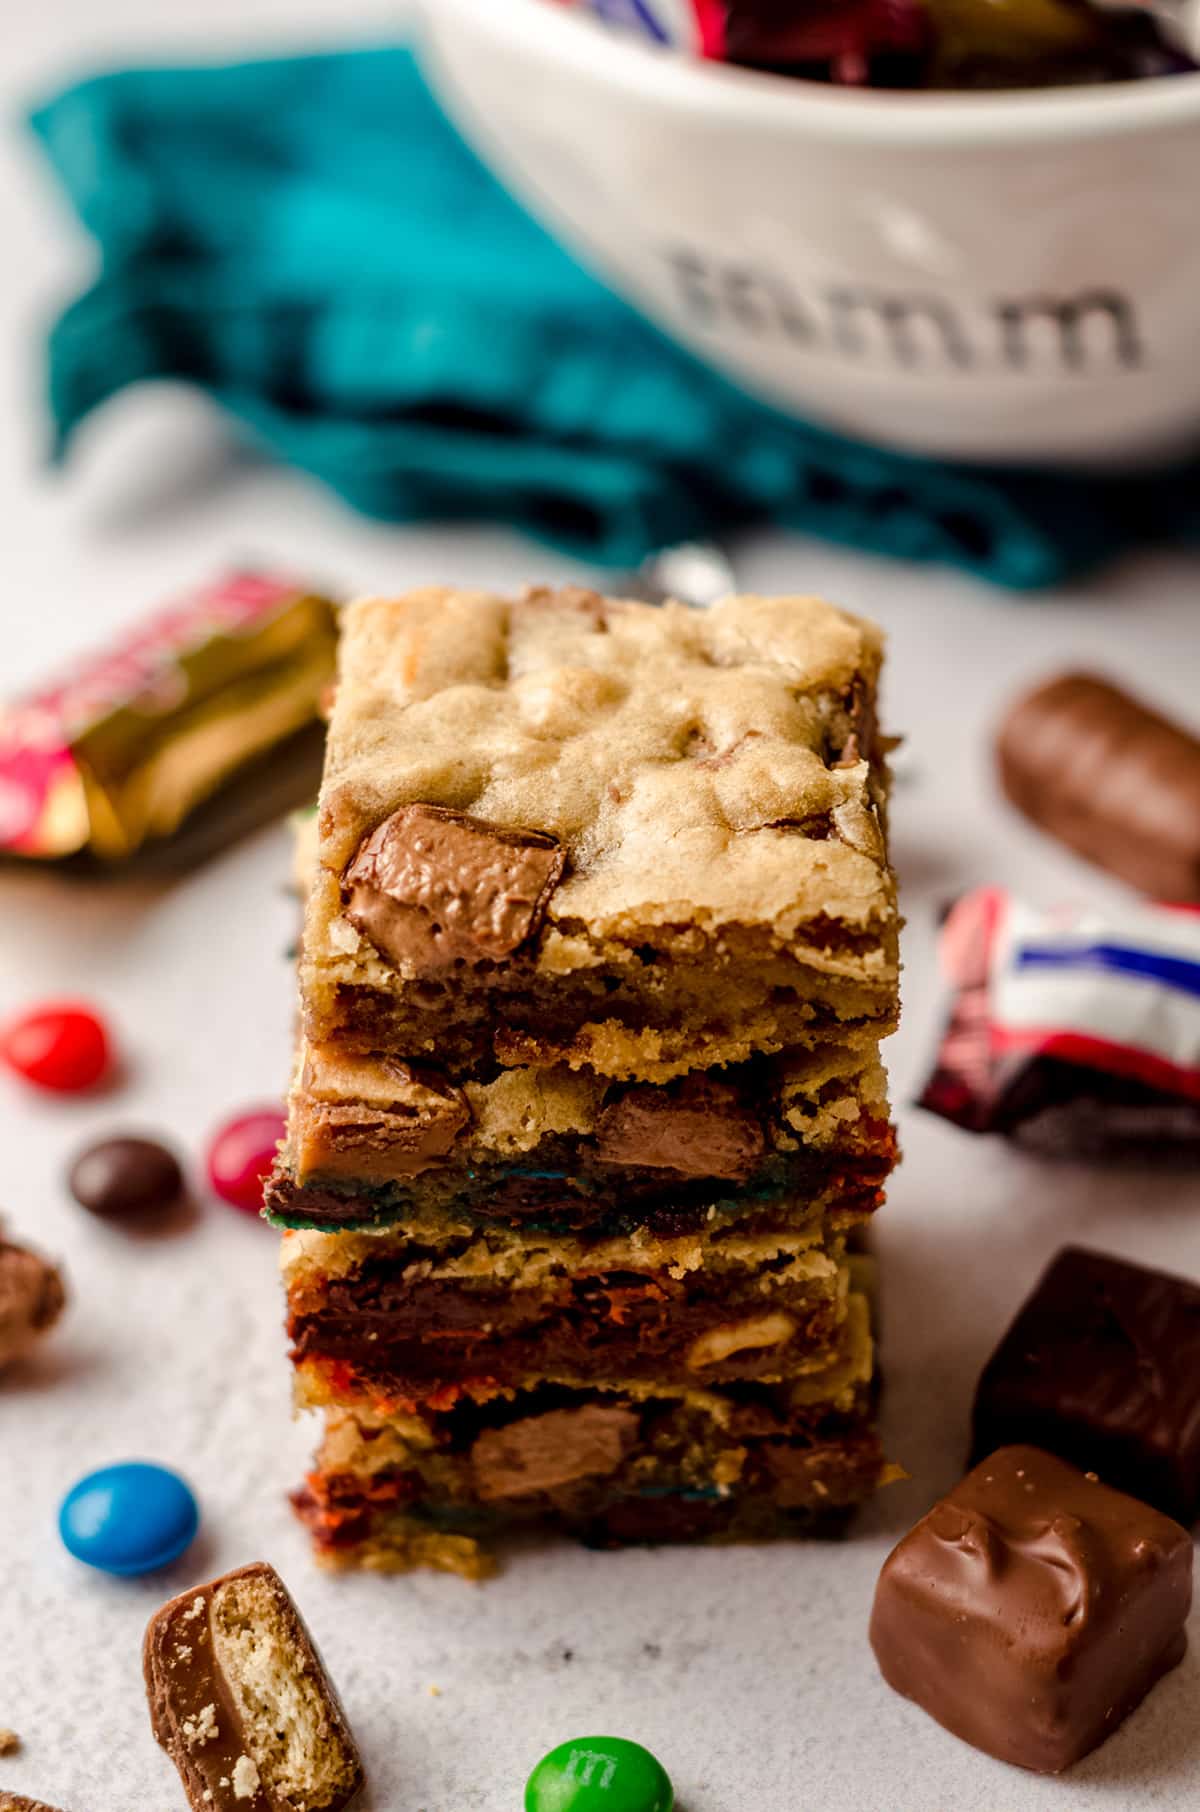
<point x="599" y="946"/>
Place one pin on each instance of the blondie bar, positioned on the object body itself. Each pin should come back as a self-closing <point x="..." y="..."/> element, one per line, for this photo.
<point x="395" y="1317"/>
<point x="374" y="1141"/>
<point x="617" y="1464"/>
<point x="568" y="831"/>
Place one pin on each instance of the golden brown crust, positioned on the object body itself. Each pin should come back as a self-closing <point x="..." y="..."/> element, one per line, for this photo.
<point x="690" y="765"/>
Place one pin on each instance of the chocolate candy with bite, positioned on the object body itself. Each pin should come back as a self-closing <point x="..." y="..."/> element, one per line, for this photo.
<point x="241" y="1703"/>
<point x="1102" y="1366"/>
<point x="1033" y="1608"/>
<point x="1111" y="779"/>
<point x="31" y="1300"/>
<point x="431" y="888"/>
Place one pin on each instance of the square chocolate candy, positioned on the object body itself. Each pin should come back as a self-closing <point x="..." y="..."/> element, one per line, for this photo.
<point x="1102" y="1366"/>
<point x="1033" y="1608"/>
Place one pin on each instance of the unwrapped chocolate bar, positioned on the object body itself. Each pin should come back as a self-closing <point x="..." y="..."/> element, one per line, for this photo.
<point x="1100" y="1366"/>
<point x="241" y="1702"/>
<point x="123" y="748"/>
<point x="1109" y="777"/>
<point x="1033" y="1609"/>
<point x="1074" y="1031"/>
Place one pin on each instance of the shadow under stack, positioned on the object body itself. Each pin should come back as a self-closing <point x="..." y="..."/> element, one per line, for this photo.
<point x="600" y="943"/>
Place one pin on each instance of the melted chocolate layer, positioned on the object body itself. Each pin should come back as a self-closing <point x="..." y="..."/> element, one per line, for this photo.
<point x="565" y="1193"/>
<point x="401" y="1332"/>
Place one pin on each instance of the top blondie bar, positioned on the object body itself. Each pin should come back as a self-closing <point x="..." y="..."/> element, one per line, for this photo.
<point x="633" y="838"/>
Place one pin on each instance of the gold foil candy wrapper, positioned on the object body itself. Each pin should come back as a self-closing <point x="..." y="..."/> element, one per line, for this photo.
<point x="125" y="746"/>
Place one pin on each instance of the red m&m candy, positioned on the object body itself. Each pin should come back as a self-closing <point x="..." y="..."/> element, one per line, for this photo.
<point x="241" y="1155"/>
<point x="61" y="1046"/>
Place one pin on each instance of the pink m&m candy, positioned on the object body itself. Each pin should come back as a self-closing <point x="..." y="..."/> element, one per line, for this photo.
<point x="61" y="1046"/>
<point x="241" y="1155"/>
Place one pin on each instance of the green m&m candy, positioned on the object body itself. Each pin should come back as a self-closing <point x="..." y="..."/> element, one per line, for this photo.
<point x="599" y="1774"/>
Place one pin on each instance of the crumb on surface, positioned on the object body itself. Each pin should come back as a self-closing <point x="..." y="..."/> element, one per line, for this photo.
<point x="435" y="1692"/>
<point x="10" y="1742"/>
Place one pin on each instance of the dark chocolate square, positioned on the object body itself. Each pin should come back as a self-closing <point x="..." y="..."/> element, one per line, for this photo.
<point x="1102" y="1366"/>
<point x="1033" y="1609"/>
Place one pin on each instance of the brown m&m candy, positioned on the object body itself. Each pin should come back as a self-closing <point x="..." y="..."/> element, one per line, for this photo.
<point x="126" y="1178"/>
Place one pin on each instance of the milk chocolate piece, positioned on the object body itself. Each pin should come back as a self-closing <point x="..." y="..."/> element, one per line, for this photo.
<point x="31" y="1300"/>
<point x="241" y="1703"/>
<point x="1111" y="779"/>
<point x="431" y="887"/>
<point x="1102" y="1366"/>
<point x="377" y="1119"/>
<point x="545" y="1453"/>
<point x="1033" y="1608"/>
<point x="697" y="1128"/>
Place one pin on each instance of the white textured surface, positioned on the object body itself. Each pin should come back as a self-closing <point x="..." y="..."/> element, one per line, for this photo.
<point x="746" y="1671"/>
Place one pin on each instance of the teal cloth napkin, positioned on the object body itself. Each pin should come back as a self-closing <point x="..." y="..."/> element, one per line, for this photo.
<point x="311" y="242"/>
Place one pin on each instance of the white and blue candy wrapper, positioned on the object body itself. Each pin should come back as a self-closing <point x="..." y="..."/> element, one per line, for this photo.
<point x="1076" y="1029"/>
<point x="694" y="26"/>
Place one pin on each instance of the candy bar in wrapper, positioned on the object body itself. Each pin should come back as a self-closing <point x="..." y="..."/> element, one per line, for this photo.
<point x="830" y="39"/>
<point x="124" y="747"/>
<point x="1076" y="1032"/>
<point x="695" y="26"/>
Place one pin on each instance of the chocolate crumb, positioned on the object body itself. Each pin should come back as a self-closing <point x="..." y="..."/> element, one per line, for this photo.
<point x="31" y="1299"/>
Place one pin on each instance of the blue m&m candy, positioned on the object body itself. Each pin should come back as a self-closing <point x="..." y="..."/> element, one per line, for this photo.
<point x="599" y="1774"/>
<point x="128" y="1519"/>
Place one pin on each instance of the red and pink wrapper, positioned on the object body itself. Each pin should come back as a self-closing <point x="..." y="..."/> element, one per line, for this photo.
<point x="125" y="745"/>
<point x="842" y="37"/>
<point x="1073" y="1030"/>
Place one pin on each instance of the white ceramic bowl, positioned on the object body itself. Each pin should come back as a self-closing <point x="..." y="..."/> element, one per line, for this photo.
<point x="1008" y="277"/>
